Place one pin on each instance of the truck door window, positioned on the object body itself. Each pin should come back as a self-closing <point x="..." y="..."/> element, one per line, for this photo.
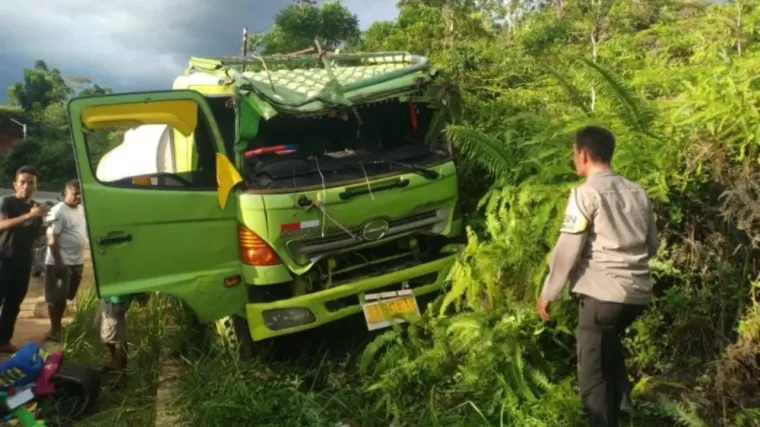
<point x="223" y="110"/>
<point x="153" y="157"/>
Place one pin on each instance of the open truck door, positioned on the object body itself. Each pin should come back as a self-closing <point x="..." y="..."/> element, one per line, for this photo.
<point x="173" y="232"/>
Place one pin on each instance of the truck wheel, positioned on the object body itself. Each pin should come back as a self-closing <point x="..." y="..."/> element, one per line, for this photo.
<point x="235" y="335"/>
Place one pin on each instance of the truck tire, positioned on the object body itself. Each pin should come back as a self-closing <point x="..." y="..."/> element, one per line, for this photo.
<point x="235" y="335"/>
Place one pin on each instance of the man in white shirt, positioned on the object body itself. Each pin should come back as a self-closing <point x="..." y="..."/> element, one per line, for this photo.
<point x="67" y="240"/>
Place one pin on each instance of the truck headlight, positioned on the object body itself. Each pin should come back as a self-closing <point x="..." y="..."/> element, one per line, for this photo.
<point x="284" y="318"/>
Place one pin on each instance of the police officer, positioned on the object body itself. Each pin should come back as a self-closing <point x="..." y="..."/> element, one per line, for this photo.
<point x="603" y="251"/>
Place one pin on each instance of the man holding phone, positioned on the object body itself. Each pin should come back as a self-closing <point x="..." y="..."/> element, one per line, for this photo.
<point x="64" y="260"/>
<point x="20" y="224"/>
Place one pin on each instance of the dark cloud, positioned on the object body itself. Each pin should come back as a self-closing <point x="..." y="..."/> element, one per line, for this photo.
<point x="135" y="44"/>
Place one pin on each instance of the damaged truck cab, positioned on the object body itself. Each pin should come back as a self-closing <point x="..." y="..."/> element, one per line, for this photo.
<point x="283" y="192"/>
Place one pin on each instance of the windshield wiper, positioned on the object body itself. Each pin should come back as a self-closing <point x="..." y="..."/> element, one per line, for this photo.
<point x="427" y="173"/>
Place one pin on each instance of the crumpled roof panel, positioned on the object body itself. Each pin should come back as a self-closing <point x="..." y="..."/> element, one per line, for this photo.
<point x="297" y="83"/>
<point x="311" y="82"/>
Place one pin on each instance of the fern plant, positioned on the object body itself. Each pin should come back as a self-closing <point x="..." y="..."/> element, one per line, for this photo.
<point x="486" y="360"/>
<point x="685" y="414"/>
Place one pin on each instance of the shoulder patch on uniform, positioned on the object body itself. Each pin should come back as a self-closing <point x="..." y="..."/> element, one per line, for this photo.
<point x="575" y="221"/>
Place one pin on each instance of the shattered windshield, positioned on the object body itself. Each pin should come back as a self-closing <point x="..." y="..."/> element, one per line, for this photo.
<point x="378" y="139"/>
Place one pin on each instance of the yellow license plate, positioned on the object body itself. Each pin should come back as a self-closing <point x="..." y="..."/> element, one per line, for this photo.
<point x="379" y="313"/>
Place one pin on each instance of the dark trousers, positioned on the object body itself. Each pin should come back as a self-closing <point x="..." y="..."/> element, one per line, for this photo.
<point x="601" y="361"/>
<point x="14" y="283"/>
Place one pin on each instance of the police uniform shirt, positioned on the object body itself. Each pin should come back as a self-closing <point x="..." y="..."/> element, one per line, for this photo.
<point x="607" y="238"/>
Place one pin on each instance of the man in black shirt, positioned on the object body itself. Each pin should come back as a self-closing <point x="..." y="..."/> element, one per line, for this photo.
<point x="20" y="224"/>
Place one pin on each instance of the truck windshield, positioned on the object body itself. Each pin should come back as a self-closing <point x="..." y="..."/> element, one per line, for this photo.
<point x="291" y="152"/>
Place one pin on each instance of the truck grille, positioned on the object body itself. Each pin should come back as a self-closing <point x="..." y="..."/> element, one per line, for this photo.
<point x="313" y="249"/>
<point x="385" y="258"/>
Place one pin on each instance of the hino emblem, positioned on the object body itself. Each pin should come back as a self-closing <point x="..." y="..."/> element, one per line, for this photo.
<point x="375" y="229"/>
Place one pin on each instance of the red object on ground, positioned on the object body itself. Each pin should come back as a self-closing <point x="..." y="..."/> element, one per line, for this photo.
<point x="44" y="385"/>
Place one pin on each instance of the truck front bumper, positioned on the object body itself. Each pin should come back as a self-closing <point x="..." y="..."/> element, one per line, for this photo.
<point x="311" y="310"/>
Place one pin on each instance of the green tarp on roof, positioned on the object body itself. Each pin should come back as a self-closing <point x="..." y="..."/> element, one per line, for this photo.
<point x="309" y="83"/>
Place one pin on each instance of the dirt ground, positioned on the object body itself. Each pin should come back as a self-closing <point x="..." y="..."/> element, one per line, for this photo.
<point x="30" y="327"/>
<point x="33" y="321"/>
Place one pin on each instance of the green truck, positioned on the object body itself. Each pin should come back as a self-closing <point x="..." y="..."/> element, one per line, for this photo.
<point x="282" y="192"/>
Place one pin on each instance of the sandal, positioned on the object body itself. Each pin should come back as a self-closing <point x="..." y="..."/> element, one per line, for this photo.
<point x="53" y="337"/>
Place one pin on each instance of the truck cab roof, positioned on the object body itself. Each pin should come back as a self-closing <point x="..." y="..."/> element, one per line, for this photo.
<point x="309" y="84"/>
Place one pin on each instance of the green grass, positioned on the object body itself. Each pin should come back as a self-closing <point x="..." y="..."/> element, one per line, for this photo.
<point x="132" y="405"/>
<point x="307" y="380"/>
<point x="314" y="379"/>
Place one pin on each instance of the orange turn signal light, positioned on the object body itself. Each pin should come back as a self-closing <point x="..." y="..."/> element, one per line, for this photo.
<point x="254" y="250"/>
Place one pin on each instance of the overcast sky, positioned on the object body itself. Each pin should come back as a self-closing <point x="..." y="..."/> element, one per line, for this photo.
<point x="135" y="44"/>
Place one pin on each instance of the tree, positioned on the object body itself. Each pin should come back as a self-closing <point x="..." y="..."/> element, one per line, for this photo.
<point x="677" y="83"/>
<point x="42" y="96"/>
<point x="298" y="25"/>
<point x="425" y="28"/>
<point x="41" y="87"/>
<point x="95" y="90"/>
<point x="83" y="86"/>
<point x="378" y="36"/>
